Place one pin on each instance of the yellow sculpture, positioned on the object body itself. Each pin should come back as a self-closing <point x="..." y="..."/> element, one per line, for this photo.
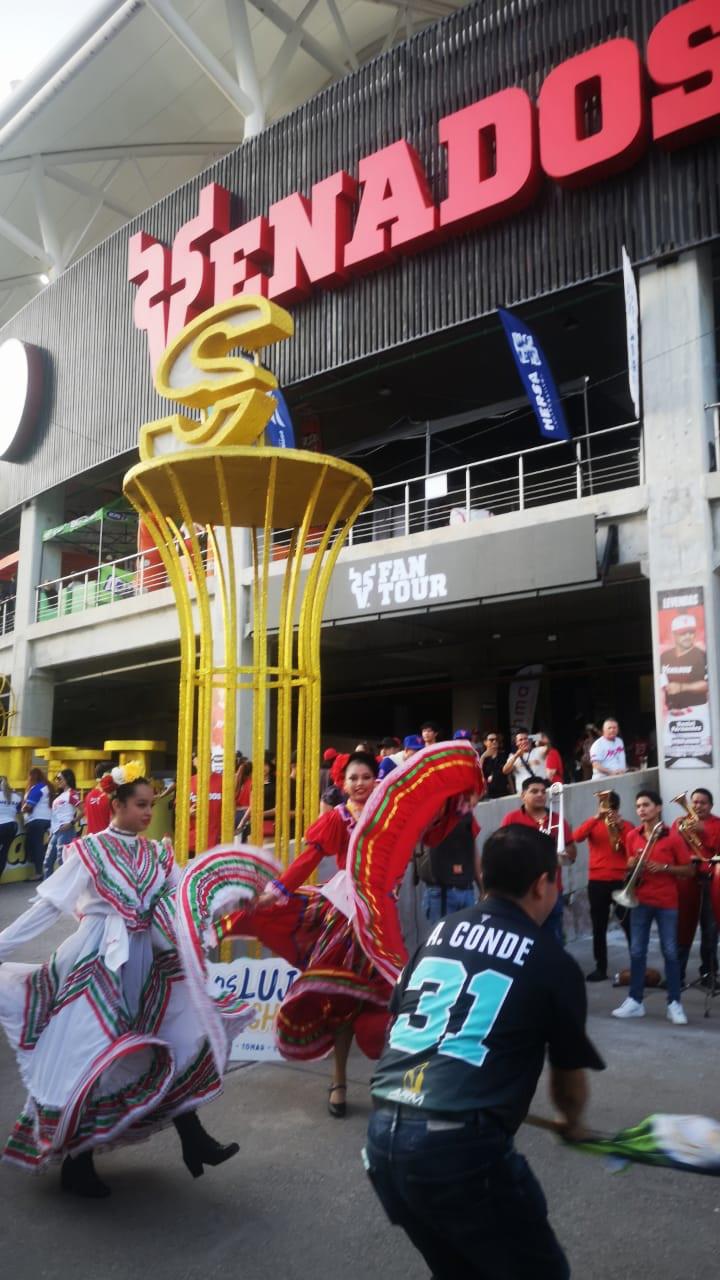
<point x="7" y="706"/>
<point x="200" y="480"/>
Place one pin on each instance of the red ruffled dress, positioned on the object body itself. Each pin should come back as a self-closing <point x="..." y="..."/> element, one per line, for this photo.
<point x="337" y="983"/>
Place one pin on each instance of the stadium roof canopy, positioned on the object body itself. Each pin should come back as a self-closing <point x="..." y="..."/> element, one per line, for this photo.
<point x="143" y="94"/>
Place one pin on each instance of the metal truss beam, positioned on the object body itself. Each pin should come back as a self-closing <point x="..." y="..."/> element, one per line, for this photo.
<point x="245" y="67"/>
<point x="272" y="11"/>
<point x="15" y="280"/>
<point x="206" y="60"/>
<point x="81" y="44"/>
<point x="129" y="151"/>
<point x="46" y="222"/>
<point x="8" y="299"/>
<point x="285" y="55"/>
<point x="72" y="245"/>
<point x="336" y="16"/>
<point x="86" y="189"/>
<point x="394" y="28"/>
<point x="22" y="242"/>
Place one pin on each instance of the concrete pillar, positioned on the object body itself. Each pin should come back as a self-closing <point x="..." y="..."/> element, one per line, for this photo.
<point x="38" y="562"/>
<point x="678" y="379"/>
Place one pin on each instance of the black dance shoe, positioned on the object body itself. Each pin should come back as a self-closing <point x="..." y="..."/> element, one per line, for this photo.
<point x="597" y="975"/>
<point x="198" y="1148"/>
<point x="337" y="1109"/>
<point x="78" y="1174"/>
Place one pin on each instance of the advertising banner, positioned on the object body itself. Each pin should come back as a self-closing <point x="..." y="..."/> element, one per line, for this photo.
<point x="632" y="325"/>
<point x="536" y="377"/>
<point x="279" y="431"/>
<point x="264" y="983"/>
<point x="524" y="691"/>
<point x="683" y="680"/>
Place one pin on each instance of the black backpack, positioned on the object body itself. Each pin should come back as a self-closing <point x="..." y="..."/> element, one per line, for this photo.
<point x="450" y="864"/>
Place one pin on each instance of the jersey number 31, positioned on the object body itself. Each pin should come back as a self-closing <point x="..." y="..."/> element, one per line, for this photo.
<point x="440" y="983"/>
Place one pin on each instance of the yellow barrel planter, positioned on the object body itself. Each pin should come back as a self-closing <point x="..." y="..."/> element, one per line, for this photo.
<point x="16" y="757"/>
<point x="140" y="750"/>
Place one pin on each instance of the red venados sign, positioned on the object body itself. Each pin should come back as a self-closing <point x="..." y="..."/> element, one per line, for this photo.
<point x="596" y="115"/>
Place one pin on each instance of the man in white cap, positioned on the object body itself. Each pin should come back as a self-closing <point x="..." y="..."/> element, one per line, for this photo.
<point x="684" y="667"/>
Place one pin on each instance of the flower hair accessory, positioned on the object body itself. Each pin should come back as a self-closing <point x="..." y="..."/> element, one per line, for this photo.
<point x="121" y="776"/>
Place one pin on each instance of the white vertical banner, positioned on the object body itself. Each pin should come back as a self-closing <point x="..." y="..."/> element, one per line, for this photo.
<point x="524" y="691"/>
<point x="632" y="325"/>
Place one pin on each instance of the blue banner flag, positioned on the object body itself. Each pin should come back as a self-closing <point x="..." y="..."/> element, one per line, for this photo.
<point x="279" y="430"/>
<point x="536" y="377"/>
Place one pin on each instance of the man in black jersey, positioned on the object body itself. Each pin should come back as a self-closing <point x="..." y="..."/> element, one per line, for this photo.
<point x="475" y="1009"/>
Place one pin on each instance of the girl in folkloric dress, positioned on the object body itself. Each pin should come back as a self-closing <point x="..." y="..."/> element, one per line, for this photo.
<point x="340" y="994"/>
<point x="338" y="991"/>
<point x="107" y="1042"/>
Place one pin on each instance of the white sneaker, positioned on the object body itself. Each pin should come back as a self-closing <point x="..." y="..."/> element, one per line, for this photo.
<point x="630" y="1009"/>
<point x="676" y="1014"/>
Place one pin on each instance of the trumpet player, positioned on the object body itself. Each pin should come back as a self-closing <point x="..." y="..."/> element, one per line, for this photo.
<point x="534" y="812"/>
<point x="665" y="859"/>
<point x="703" y="838"/>
<point x="607" y="868"/>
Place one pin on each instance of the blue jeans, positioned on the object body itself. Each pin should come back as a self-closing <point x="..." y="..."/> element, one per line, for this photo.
<point x="554" y="922"/>
<point x="467" y="1200"/>
<point x="8" y="831"/>
<point x="641" y="919"/>
<point x="455" y="900"/>
<point x="58" y="841"/>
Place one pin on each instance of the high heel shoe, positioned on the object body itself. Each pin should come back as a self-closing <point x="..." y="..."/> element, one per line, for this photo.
<point x="78" y="1174"/>
<point x="337" y="1109"/>
<point x="198" y="1147"/>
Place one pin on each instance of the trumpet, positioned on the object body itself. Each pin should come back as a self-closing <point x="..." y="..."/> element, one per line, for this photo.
<point x="627" y="897"/>
<point x="613" y="827"/>
<point x="556" y="791"/>
<point x="687" y="826"/>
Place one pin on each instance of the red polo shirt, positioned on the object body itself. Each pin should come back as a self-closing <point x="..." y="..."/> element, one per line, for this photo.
<point x="518" y="817"/>
<point x="553" y="760"/>
<point x="604" y="863"/>
<point x="709" y="833"/>
<point x="98" y="811"/>
<point x="659" y="889"/>
<point x="214" y="812"/>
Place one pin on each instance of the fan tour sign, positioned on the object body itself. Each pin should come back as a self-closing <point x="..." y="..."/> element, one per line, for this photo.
<point x="595" y="116"/>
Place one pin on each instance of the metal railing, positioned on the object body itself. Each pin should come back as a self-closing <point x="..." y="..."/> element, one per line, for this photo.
<point x="597" y="462"/>
<point x="125" y="579"/>
<point x="600" y="461"/>
<point x="7" y="615"/>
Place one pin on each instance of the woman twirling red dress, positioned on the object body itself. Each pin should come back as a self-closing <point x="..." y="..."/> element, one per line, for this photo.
<point x="311" y="931"/>
<point x="341" y="991"/>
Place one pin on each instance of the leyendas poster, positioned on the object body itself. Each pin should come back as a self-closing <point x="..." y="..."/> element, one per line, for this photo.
<point x="684" y="692"/>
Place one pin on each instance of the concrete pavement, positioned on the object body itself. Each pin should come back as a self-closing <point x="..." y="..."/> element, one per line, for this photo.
<point x="295" y="1203"/>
